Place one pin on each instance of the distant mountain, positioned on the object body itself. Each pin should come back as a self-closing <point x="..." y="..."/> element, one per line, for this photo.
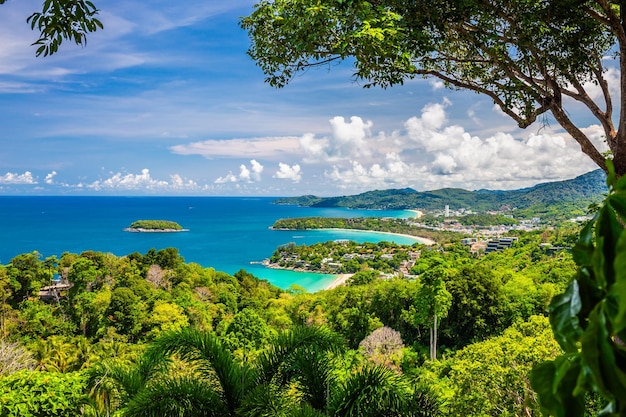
<point x="581" y="190"/>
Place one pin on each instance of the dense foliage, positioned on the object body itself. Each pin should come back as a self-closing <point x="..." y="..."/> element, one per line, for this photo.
<point x="119" y="310"/>
<point x="385" y="224"/>
<point x="344" y="257"/>
<point x="42" y="394"/>
<point x="589" y="318"/>
<point x="155" y="225"/>
<point x="532" y="58"/>
<point x="485" y="220"/>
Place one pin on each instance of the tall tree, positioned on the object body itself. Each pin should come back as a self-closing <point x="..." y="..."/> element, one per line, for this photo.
<point x="530" y="57"/>
<point x="478" y="307"/>
<point x="26" y="275"/>
<point x="432" y="303"/>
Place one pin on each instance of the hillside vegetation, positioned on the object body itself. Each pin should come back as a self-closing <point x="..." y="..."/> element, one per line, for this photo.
<point x="578" y="193"/>
<point x="121" y="314"/>
<point x="155" y="225"/>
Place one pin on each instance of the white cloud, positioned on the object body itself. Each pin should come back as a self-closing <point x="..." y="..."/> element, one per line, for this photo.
<point x="245" y="174"/>
<point x="429" y="152"/>
<point x="257" y="170"/>
<point x="50" y="177"/>
<point x="393" y="172"/>
<point x="612" y="77"/>
<point x="287" y="172"/>
<point x="230" y="177"/>
<point x="432" y="153"/>
<point x="179" y="183"/>
<point x="141" y="182"/>
<point x="436" y="84"/>
<point x="15" y="178"/>
<point x="349" y="140"/>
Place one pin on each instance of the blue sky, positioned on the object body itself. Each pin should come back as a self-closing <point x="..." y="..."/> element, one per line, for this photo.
<point x="165" y="101"/>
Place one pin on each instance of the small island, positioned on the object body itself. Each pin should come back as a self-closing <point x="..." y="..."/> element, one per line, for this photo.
<point x="155" y="226"/>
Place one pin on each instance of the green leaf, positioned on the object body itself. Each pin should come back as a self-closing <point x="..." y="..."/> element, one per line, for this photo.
<point x="618" y="202"/>
<point x="598" y="263"/>
<point x="564" y="310"/>
<point x="542" y="382"/>
<point x="608" y="231"/>
<point x="617" y="292"/>
<point x="583" y="250"/>
<point x="620" y="184"/>
<point x="610" y="177"/>
<point x="599" y="357"/>
<point x="555" y="383"/>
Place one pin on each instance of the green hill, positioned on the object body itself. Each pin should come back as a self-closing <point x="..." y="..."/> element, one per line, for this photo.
<point x="577" y="192"/>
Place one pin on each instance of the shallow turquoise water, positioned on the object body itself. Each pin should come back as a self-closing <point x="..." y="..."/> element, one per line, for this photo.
<point x="224" y="233"/>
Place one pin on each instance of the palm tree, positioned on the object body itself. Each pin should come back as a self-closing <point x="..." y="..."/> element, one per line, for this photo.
<point x="294" y="376"/>
<point x="115" y="384"/>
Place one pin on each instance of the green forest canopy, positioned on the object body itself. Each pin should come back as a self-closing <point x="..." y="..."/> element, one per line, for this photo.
<point x="118" y="306"/>
<point x="155" y="225"/>
<point x="530" y="57"/>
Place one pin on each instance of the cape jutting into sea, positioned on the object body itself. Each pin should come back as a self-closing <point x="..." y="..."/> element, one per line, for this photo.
<point x="225" y="233"/>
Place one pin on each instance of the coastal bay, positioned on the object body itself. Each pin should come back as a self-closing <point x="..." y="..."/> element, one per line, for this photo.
<point x="226" y="233"/>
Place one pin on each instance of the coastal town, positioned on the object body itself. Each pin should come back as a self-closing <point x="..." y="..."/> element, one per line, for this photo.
<point x="344" y="256"/>
<point x="479" y="237"/>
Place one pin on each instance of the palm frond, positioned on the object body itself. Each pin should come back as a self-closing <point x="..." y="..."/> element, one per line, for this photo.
<point x="372" y="392"/>
<point x="186" y="397"/>
<point x="313" y="368"/>
<point x="305" y="410"/>
<point x="266" y="401"/>
<point x="205" y="349"/>
<point x="285" y="344"/>
<point x="425" y="403"/>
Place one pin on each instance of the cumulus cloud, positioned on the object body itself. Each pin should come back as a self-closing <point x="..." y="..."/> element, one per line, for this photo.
<point x="230" y="177"/>
<point x="430" y="152"/>
<point x="15" y="178"/>
<point x="465" y="158"/>
<point x="141" y="182"/>
<point x="392" y="172"/>
<point x="288" y="172"/>
<point x="246" y="175"/>
<point x="50" y="177"/>
<point x="349" y="140"/>
<point x="257" y="169"/>
<point x="179" y="183"/>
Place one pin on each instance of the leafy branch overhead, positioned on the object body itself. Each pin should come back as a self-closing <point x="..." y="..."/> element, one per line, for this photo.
<point x="528" y="56"/>
<point x="62" y="20"/>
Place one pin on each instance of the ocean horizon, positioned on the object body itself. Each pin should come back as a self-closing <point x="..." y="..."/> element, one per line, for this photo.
<point x="225" y="233"/>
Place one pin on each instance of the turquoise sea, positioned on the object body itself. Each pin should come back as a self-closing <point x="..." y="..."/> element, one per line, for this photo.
<point x="225" y="233"/>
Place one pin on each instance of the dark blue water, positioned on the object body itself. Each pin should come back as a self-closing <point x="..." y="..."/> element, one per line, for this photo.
<point x="224" y="233"/>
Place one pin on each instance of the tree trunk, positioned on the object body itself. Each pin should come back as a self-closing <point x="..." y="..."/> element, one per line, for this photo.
<point x="433" y="339"/>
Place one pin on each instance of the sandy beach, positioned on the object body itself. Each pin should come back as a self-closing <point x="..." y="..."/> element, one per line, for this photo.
<point x="419" y="239"/>
<point x="418" y="213"/>
<point x="340" y="280"/>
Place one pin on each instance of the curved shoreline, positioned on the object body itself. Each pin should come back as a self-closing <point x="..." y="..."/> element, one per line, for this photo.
<point x="339" y="281"/>
<point x="422" y="240"/>
<point x="418" y="213"/>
